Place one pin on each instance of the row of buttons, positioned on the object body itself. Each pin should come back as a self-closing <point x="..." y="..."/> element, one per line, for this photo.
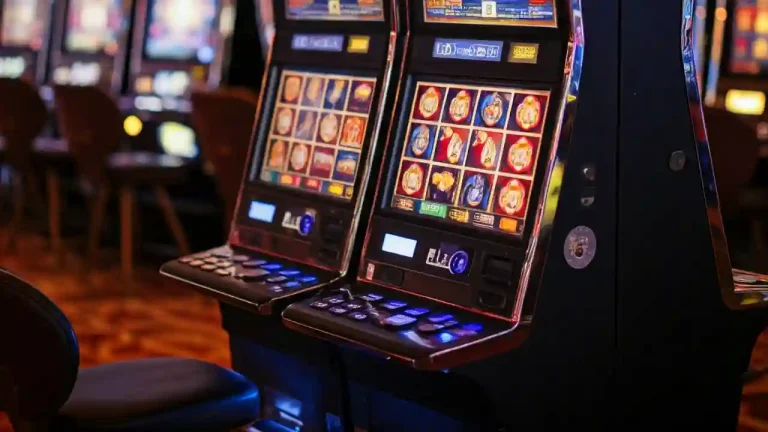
<point x="248" y="269"/>
<point x="396" y="315"/>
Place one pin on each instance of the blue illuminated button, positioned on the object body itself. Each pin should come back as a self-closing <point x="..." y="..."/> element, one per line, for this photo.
<point x="291" y="285"/>
<point x="400" y="320"/>
<point x="338" y="310"/>
<point x="276" y="279"/>
<point x="291" y="272"/>
<point x="273" y="266"/>
<point x="394" y="304"/>
<point x="358" y="316"/>
<point x="429" y="327"/>
<point x="319" y="304"/>
<point x="458" y="263"/>
<point x="275" y="289"/>
<point x="354" y="306"/>
<point x="371" y="297"/>
<point x="305" y="224"/>
<point x="307" y="279"/>
<point x="254" y="263"/>
<point x="450" y="323"/>
<point x="440" y="318"/>
<point x="416" y="311"/>
<point x="335" y="300"/>
<point x="446" y="337"/>
<point x="477" y="328"/>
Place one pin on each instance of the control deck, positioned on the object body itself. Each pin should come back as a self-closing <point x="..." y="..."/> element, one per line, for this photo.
<point x="421" y="333"/>
<point x="244" y="278"/>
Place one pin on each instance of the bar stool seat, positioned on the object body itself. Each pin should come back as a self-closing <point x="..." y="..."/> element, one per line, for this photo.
<point x="160" y="394"/>
<point x="43" y="388"/>
<point x="146" y="168"/>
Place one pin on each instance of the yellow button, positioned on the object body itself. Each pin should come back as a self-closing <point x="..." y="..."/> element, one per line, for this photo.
<point x="358" y="44"/>
<point x="508" y="225"/>
<point x="336" y="189"/>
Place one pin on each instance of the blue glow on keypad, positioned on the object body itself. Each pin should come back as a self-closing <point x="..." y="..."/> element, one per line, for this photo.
<point x="477" y="328"/>
<point x="416" y="311"/>
<point x="307" y="279"/>
<point x="273" y="266"/>
<point x="446" y="337"/>
<point x="291" y="272"/>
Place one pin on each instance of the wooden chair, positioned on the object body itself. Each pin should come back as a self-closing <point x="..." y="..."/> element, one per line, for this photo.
<point x="22" y="118"/>
<point x="735" y="155"/>
<point x="224" y="121"/>
<point x="91" y="121"/>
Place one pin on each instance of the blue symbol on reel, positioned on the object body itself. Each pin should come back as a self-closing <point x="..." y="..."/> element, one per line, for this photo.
<point x="305" y="224"/>
<point x="459" y="262"/>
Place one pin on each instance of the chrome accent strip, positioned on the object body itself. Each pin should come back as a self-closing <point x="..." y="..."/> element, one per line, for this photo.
<point x="535" y="254"/>
<point x="732" y="298"/>
<point x="715" y="53"/>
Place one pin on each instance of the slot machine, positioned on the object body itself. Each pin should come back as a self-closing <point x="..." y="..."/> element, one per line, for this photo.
<point x="178" y="46"/>
<point x="24" y="35"/>
<point x="89" y="45"/>
<point x="632" y="316"/>
<point x="329" y="82"/>
<point x="739" y="62"/>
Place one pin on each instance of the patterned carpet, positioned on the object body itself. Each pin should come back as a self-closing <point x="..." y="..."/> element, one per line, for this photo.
<point x="153" y="316"/>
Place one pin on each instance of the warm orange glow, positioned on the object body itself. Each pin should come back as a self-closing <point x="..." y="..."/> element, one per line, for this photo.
<point x="746" y="102"/>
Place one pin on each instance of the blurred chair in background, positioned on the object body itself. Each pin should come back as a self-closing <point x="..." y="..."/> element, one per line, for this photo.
<point x="92" y="123"/>
<point x="224" y="121"/>
<point x="735" y="152"/>
<point x="22" y="118"/>
<point x="43" y="388"/>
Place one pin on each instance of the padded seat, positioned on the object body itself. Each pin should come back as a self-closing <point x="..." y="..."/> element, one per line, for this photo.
<point x="42" y="388"/>
<point x="159" y="395"/>
<point x="145" y="168"/>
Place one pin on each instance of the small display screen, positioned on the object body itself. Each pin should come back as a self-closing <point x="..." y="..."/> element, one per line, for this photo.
<point x="531" y="13"/>
<point x="262" y="212"/>
<point x="317" y="132"/>
<point x="181" y="30"/>
<point x="93" y="26"/>
<point x="22" y="23"/>
<point x="317" y="42"/>
<point x="469" y="154"/>
<point x="398" y="245"/>
<point x="467" y="49"/>
<point x="329" y="10"/>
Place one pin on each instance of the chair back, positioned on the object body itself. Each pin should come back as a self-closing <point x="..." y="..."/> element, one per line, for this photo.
<point x="224" y="121"/>
<point x="90" y="120"/>
<point x="22" y="117"/>
<point x="39" y="359"/>
<point x="735" y="153"/>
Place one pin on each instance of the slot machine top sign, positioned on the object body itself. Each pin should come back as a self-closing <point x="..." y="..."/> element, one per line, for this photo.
<point x="93" y="26"/>
<point x="338" y="10"/>
<point x="23" y="23"/>
<point x="181" y="30"/>
<point x="533" y="13"/>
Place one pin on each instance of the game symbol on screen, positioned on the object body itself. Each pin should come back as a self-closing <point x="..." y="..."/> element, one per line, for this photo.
<point x="452" y="145"/>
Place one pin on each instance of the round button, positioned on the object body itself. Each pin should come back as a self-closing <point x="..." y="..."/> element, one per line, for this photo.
<point x="305" y="224"/>
<point x="458" y="262"/>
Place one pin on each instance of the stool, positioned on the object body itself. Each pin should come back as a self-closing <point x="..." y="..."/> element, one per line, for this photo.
<point x="225" y="149"/>
<point x="22" y="118"/>
<point x="42" y="388"/>
<point x="91" y="121"/>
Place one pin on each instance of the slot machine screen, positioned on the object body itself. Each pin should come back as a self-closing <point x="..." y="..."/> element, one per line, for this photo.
<point x="749" y="40"/>
<point x="22" y="23"/>
<point x="317" y="132"/>
<point x="329" y="10"/>
<point x="534" y="13"/>
<point x="93" y="26"/>
<point x="181" y="30"/>
<point x="469" y="155"/>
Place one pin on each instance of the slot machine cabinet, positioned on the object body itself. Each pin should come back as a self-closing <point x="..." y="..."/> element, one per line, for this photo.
<point x="89" y="45"/>
<point x="24" y="37"/>
<point x="739" y="64"/>
<point x="329" y="83"/>
<point x="649" y="327"/>
<point x="172" y="55"/>
<point x="460" y="228"/>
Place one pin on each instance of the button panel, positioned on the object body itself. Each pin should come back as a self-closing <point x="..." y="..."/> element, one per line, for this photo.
<point x="266" y="274"/>
<point x="438" y="327"/>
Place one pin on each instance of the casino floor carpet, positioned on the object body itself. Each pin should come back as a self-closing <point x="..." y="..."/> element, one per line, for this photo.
<point x="153" y="316"/>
